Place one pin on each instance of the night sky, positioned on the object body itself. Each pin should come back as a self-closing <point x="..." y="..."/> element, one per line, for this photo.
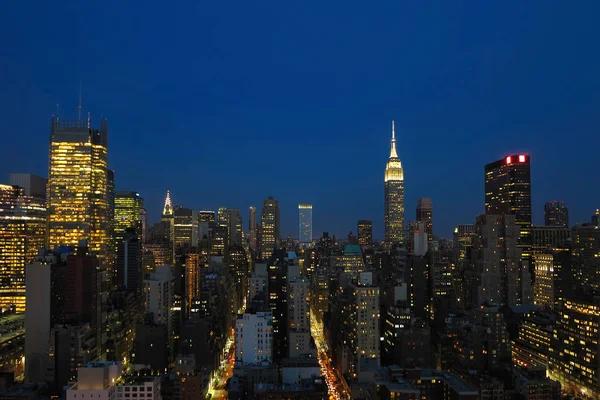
<point x="226" y="103"/>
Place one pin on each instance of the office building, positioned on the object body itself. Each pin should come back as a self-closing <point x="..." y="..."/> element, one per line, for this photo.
<point x="543" y="289"/>
<point x="425" y="215"/>
<point x="32" y="185"/>
<point x="364" y="335"/>
<point x="253" y="234"/>
<point x="365" y="232"/>
<point x="351" y="261"/>
<point x="128" y="271"/>
<point x="82" y="290"/>
<point x="192" y="276"/>
<point x="508" y="192"/>
<point x="503" y="278"/>
<point x="158" y="294"/>
<point x="556" y="213"/>
<point x="585" y="242"/>
<point x="185" y="228"/>
<point x="22" y="234"/>
<point x="575" y="359"/>
<point x="394" y="196"/>
<point x="78" y="198"/>
<point x="231" y="220"/>
<point x="305" y="223"/>
<point x="298" y="298"/>
<point x="129" y="211"/>
<point x="105" y="381"/>
<point x="270" y="228"/>
<point x="544" y="238"/>
<point x="533" y="344"/>
<point x="254" y="338"/>
<point x="37" y="321"/>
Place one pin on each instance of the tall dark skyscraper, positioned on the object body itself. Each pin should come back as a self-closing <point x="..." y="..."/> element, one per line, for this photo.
<point x="270" y="227"/>
<point x="425" y="215"/>
<point x="508" y="192"/>
<point x="394" y="196"/>
<point x="556" y="213"/>
<point x="252" y="234"/>
<point x="365" y="232"/>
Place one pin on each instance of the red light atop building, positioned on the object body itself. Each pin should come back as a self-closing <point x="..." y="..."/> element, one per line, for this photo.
<point x="508" y="159"/>
<point x="521" y="158"/>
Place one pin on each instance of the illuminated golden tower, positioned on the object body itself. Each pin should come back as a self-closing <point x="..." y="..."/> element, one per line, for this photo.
<point x="394" y="196"/>
<point x="78" y="203"/>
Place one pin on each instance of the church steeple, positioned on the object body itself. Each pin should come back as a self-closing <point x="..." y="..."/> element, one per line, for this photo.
<point x="393" y="152"/>
<point x="168" y="208"/>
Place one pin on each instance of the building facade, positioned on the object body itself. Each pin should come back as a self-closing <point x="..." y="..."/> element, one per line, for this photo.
<point x="78" y="198"/>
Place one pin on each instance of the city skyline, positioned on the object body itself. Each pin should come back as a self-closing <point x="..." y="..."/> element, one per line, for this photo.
<point x="154" y="250"/>
<point x="465" y="120"/>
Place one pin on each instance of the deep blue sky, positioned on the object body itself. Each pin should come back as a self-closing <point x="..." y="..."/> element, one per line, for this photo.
<point x="225" y="103"/>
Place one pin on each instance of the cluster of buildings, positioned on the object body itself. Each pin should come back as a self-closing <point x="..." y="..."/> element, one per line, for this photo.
<point x="96" y="302"/>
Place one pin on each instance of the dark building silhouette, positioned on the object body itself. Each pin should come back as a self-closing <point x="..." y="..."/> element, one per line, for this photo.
<point x="556" y="213"/>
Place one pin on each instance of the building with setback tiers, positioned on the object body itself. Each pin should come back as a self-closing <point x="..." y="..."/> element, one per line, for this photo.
<point x="394" y="196"/>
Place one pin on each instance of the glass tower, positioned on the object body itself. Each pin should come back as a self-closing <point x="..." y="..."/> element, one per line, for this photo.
<point x="305" y="223"/>
<point x="78" y="199"/>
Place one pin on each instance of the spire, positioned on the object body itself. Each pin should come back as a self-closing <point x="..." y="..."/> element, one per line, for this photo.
<point x="393" y="152"/>
<point x="168" y="209"/>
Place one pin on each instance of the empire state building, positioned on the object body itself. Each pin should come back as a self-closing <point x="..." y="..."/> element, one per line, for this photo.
<point x="394" y="196"/>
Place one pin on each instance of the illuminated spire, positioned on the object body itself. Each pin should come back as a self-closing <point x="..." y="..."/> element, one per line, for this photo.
<point x="168" y="209"/>
<point x="393" y="153"/>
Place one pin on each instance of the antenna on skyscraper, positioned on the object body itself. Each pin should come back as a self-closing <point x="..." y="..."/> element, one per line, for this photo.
<point x="57" y="107"/>
<point x="88" y="120"/>
<point x="80" y="94"/>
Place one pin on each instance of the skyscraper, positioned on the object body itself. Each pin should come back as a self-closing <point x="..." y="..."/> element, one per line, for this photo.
<point x="502" y="277"/>
<point x="252" y="229"/>
<point x="230" y="219"/>
<point x="425" y="215"/>
<point x="394" y="196"/>
<point x="270" y="227"/>
<point x="185" y="228"/>
<point x="78" y="199"/>
<point x="365" y="232"/>
<point x="556" y="213"/>
<point x="168" y="218"/>
<point x="508" y="191"/>
<point x="305" y="223"/>
<point x="22" y="229"/>
<point x="129" y="207"/>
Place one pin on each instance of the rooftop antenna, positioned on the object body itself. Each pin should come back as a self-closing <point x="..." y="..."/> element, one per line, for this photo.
<point x="88" y="120"/>
<point x="79" y="107"/>
<point x="57" y="108"/>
